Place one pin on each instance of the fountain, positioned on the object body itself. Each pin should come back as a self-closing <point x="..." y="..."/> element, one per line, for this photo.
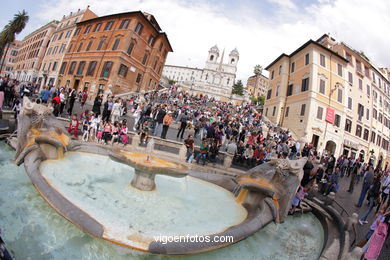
<point x="88" y="185"/>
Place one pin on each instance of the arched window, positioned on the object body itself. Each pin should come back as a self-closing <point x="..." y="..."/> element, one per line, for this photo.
<point x="232" y="61"/>
<point x="211" y="57"/>
<point x="207" y="76"/>
<point x="228" y="81"/>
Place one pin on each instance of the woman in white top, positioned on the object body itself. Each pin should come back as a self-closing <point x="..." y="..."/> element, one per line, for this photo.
<point x="116" y="111"/>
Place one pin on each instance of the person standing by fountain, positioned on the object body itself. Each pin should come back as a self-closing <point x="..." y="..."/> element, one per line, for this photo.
<point x="158" y="120"/>
<point x="166" y="123"/>
<point x="183" y="125"/>
<point x="189" y="143"/>
<point x="72" y="99"/>
<point x="96" y="105"/>
<point x="204" y="151"/>
<point x="116" y="111"/>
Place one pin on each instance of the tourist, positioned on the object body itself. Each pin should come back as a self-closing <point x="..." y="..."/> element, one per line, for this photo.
<point x="189" y="143"/>
<point x="368" y="181"/>
<point x="56" y="105"/>
<point x="84" y="97"/>
<point x="107" y="109"/>
<point x="203" y="152"/>
<point x="123" y="132"/>
<point x="166" y="123"/>
<point x="86" y="128"/>
<point x="116" y="111"/>
<point x="72" y="99"/>
<point x="385" y="190"/>
<point x="377" y="240"/>
<point x="158" y="120"/>
<point x="333" y="181"/>
<point x="107" y="130"/>
<point x="183" y="124"/>
<point x="73" y="125"/>
<point x="137" y="116"/>
<point x="44" y="95"/>
<point x="95" y="126"/>
<point x="62" y="101"/>
<point x="353" y="172"/>
<point x="96" y="105"/>
<point x="373" y="197"/>
<point x="115" y="131"/>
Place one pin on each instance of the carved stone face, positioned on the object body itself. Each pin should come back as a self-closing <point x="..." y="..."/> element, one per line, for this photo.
<point x="37" y="112"/>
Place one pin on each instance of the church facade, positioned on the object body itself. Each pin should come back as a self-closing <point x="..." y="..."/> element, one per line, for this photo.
<point x="216" y="79"/>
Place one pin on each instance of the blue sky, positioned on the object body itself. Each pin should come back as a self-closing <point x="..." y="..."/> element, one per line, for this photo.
<point x="260" y="29"/>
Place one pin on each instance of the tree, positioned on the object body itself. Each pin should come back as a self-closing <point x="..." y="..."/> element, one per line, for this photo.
<point x="238" y="88"/>
<point x="171" y="82"/>
<point x="7" y="36"/>
<point x="257" y="70"/>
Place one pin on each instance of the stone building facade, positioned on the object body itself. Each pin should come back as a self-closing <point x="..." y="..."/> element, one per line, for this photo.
<point x="31" y="52"/>
<point x="115" y="54"/>
<point x="257" y="85"/>
<point x="58" y="45"/>
<point x="8" y="61"/>
<point x="216" y="79"/>
<point x="332" y="96"/>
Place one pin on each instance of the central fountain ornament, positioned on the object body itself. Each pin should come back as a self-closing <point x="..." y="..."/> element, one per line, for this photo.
<point x="242" y="205"/>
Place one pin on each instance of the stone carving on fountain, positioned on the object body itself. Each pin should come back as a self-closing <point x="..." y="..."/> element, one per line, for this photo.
<point x="265" y="191"/>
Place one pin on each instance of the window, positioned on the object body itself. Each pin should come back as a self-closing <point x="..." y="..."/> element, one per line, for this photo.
<point x="358" y="130"/>
<point x="303" y="108"/>
<point x="269" y="93"/>
<point x="87" y="29"/>
<point x="72" y="67"/>
<point x="70" y="47"/>
<point x="366" y="72"/>
<point x="373" y="135"/>
<point x="292" y="67"/>
<point x="151" y="40"/>
<point x="350" y="77"/>
<point x="380" y="117"/>
<point x="277" y="90"/>
<point x="360" y="84"/>
<point x="340" y="95"/>
<point x="273" y="111"/>
<point x="77" y="31"/>
<point x="340" y="70"/>
<point x="91" y="68"/>
<point x="368" y="91"/>
<point x="360" y="111"/>
<point x="145" y="58"/>
<point x="80" y="68"/>
<point x="322" y="60"/>
<point x="106" y="69"/>
<point x="322" y="86"/>
<point x="89" y="45"/>
<point x="349" y="103"/>
<point x="161" y="46"/>
<point x="68" y="34"/>
<point x="378" y="140"/>
<point x="348" y="125"/>
<point x="337" y="120"/>
<point x="100" y="45"/>
<point x="358" y="67"/>
<point x="54" y="66"/>
<point x="290" y="89"/>
<point x="138" y="28"/>
<point x="272" y="75"/>
<point x="63" y="67"/>
<point x="320" y="111"/>
<point x="97" y="27"/>
<point x="374" y="113"/>
<point x="48" y="51"/>
<point x="368" y="114"/>
<point x="139" y="78"/>
<point x="108" y="26"/>
<point x="266" y="111"/>
<point x="62" y="48"/>
<point x="116" y="43"/>
<point x="373" y="77"/>
<point x="287" y="110"/>
<point x="307" y="59"/>
<point x="348" y="57"/>
<point x="123" y="70"/>
<point x="80" y="46"/>
<point x="366" y="134"/>
<point x="60" y="37"/>
<point x="124" y="24"/>
<point x="280" y="69"/>
<point x="54" y="38"/>
<point x="130" y="49"/>
<point x="305" y="84"/>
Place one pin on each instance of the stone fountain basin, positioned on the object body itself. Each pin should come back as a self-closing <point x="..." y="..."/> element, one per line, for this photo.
<point x="208" y="209"/>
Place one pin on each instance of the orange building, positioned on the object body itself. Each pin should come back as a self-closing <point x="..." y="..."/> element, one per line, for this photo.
<point x="257" y="85"/>
<point x="115" y="54"/>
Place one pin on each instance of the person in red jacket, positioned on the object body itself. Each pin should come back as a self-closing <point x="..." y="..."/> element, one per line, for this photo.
<point x="73" y="125"/>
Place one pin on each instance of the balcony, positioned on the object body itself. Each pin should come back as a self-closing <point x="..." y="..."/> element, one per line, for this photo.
<point x="359" y="72"/>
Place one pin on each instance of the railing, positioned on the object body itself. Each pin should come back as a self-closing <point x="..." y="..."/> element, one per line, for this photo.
<point x="341" y="212"/>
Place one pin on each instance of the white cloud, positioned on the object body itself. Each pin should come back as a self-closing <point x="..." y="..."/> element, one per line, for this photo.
<point x="193" y="27"/>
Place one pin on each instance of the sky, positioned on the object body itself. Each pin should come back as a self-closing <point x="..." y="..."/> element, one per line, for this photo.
<point x="260" y="29"/>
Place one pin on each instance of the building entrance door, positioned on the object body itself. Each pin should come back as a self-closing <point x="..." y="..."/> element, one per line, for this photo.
<point x="315" y="140"/>
<point x="76" y="84"/>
